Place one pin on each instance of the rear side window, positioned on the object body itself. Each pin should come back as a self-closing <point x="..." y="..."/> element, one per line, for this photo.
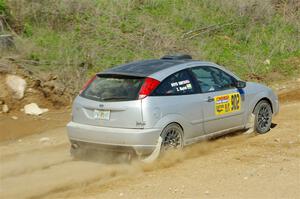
<point x="113" y="88"/>
<point x="178" y="83"/>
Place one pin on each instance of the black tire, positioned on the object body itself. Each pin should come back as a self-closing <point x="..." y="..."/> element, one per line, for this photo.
<point x="172" y="137"/>
<point x="263" y="117"/>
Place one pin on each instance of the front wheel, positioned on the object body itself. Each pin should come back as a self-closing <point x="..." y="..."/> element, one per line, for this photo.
<point x="263" y="117"/>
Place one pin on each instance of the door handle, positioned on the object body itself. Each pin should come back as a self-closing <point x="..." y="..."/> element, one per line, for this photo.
<point x="210" y="99"/>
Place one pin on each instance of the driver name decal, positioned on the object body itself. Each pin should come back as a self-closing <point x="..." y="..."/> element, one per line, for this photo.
<point x="182" y="85"/>
<point x="227" y="103"/>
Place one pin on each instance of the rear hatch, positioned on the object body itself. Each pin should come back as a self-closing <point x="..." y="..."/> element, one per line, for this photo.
<point x="110" y="101"/>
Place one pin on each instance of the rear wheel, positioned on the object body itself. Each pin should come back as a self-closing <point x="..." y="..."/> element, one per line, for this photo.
<point x="172" y="137"/>
<point x="263" y="117"/>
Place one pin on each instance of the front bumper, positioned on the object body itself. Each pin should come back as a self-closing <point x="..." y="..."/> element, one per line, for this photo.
<point x="275" y="106"/>
<point x="142" y="141"/>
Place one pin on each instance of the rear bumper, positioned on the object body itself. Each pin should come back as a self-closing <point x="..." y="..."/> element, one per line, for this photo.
<point x="142" y="141"/>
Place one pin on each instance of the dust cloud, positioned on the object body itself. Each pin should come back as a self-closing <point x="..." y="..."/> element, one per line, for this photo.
<point x="174" y="157"/>
<point x="53" y="172"/>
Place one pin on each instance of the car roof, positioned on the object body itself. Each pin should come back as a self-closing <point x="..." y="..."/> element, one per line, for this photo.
<point x="159" y="68"/>
<point x="144" y="68"/>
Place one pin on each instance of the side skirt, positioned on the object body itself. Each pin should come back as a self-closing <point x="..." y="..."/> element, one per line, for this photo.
<point x="212" y="135"/>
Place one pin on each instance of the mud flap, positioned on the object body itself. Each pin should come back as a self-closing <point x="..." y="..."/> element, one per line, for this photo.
<point x="155" y="154"/>
<point x="250" y="124"/>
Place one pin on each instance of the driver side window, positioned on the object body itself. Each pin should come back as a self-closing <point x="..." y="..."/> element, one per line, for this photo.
<point x="211" y="79"/>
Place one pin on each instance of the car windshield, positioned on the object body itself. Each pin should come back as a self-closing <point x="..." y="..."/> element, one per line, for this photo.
<point x="113" y="88"/>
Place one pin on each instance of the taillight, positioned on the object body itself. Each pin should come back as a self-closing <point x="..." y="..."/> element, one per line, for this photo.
<point x="87" y="84"/>
<point x="149" y="85"/>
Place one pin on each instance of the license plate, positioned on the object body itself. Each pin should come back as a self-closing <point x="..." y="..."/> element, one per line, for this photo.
<point x="102" y="114"/>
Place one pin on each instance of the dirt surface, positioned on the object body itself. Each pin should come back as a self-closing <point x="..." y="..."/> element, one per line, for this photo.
<point x="11" y="129"/>
<point x="239" y="166"/>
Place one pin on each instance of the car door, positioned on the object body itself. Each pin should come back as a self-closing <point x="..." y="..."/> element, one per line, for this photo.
<point x="223" y="105"/>
<point x="175" y="96"/>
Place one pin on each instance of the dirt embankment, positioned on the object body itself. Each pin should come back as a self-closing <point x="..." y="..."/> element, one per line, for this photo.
<point x="239" y="166"/>
<point x="44" y="89"/>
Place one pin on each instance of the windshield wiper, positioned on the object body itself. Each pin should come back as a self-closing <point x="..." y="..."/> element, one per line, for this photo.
<point x="93" y="96"/>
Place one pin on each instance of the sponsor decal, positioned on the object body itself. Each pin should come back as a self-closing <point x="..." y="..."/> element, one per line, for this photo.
<point x="189" y="86"/>
<point x="227" y="103"/>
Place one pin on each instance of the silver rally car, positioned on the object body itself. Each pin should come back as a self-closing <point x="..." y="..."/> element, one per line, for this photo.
<point x="171" y="102"/>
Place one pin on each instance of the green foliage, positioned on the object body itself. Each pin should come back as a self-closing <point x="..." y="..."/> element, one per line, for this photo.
<point x="99" y="34"/>
<point x="28" y="30"/>
<point x="3" y="7"/>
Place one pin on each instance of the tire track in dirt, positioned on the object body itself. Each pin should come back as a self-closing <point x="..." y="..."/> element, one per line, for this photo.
<point x="29" y="154"/>
<point x="32" y="143"/>
<point x="57" y="178"/>
<point x="36" y="160"/>
<point x="11" y="156"/>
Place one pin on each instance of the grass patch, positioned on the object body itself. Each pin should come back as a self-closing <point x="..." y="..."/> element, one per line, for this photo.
<point x="90" y="36"/>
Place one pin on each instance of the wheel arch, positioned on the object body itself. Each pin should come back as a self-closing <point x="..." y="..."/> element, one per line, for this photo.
<point x="264" y="99"/>
<point x="177" y="124"/>
<point x="254" y="102"/>
<point x="173" y="119"/>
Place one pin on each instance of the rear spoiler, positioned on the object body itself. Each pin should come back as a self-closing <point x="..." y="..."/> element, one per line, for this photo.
<point x="110" y="73"/>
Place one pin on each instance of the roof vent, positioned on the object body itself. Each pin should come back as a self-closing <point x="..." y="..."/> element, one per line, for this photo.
<point x="177" y="57"/>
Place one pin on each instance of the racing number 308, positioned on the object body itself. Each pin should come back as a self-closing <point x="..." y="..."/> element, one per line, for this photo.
<point x="235" y="102"/>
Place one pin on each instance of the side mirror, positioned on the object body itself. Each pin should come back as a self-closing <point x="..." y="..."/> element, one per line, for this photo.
<point x="240" y="84"/>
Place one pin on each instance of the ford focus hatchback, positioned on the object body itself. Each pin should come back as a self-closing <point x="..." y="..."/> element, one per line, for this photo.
<point x="166" y="103"/>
